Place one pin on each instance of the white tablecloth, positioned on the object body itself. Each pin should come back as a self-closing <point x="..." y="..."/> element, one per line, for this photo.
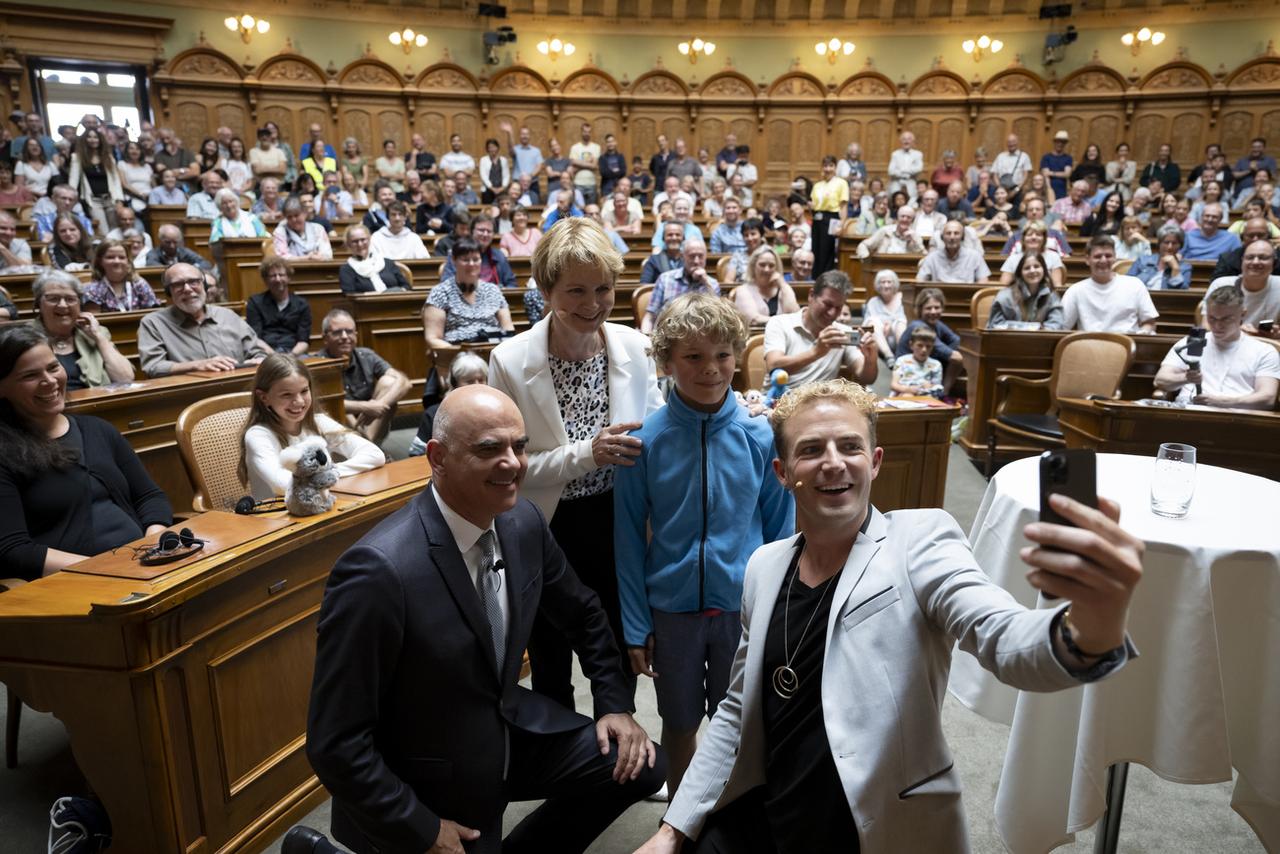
<point x="1204" y="694"/>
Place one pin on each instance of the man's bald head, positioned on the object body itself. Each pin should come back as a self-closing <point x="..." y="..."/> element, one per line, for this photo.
<point x="477" y="452"/>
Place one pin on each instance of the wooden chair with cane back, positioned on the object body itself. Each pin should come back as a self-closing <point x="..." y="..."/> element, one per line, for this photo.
<point x="209" y="441"/>
<point x="640" y="303"/>
<point x="980" y="307"/>
<point x="1085" y="365"/>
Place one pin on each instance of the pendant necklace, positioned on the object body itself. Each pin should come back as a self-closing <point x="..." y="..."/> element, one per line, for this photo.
<point x="785" y="680"/>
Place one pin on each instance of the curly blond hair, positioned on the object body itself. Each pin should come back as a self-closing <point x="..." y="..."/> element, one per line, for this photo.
<point x="697" y="315"/>
<point x="836" y="391"/>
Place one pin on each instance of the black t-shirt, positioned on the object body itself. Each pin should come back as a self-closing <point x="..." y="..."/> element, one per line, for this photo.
<point x="806" y="805"/>
<point x="423" y="161"/>
<point x="112" y="526"/>
<point x="75" y="379"/>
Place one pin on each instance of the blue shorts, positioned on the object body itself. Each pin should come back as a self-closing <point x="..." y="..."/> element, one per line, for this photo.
<point x="692" y="655"/>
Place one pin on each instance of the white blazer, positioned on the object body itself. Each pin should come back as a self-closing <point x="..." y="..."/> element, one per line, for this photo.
<point x="910" y="589"/>
<point x="520" y="368"/>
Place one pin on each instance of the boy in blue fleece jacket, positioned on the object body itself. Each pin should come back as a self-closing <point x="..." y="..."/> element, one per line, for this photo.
<point x="704" y="484"/>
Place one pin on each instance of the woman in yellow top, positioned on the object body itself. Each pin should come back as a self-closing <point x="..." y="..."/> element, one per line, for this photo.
<point x="317" y="166"/>
<point x="830" y="197"/>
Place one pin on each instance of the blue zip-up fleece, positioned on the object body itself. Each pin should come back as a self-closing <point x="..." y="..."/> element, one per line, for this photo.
<point x="705" y="484"/>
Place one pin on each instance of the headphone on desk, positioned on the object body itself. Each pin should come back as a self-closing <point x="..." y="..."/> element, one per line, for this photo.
<point x="247" y="506"/>
<point x="172" y="547"/>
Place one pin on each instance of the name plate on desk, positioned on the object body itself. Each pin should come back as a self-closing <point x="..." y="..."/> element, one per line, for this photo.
<point x="220" y="532"/>
<point x="392" y="475"/>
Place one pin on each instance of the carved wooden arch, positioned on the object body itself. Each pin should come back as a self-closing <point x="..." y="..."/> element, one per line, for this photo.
<point x="590" y="81"/>
<point x="1263" y="72"/>
<point x="291" y="69"/>
<point x="797" y="84"/>
<point x="448" y="77"/>
<point x="659" y="82"/>
<point x="939" y="83"/>
<point x="519" y="80"/>
<point x="867" y="84"/>
<point x="1093" y="79"/>
<point x="368" y="71"/>
<point x="728" y="84"/>
<point x="1178" y="75"/>
<point x="1015" y="82"/>
<point x="203" y="63"/>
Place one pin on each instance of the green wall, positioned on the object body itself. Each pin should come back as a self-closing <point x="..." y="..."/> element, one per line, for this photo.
<point x="761" y="56"/>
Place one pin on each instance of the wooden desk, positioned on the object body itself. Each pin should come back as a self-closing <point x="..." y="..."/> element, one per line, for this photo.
<point x="916" y="443"/>
<point x="987" y="354"/>
<point x="147" y="414"/>
<point x="185" y="697"/>
<point x="158" y="215"/>
<point x="1240" y="439"/>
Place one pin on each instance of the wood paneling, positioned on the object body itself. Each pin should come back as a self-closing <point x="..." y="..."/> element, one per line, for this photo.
<point x="790" y="123"/>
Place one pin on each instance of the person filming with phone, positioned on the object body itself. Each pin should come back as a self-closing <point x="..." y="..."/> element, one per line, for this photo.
<point x="811" y="345"/>
<point x="1230" y="369"/>
<point x="830" y="737"/>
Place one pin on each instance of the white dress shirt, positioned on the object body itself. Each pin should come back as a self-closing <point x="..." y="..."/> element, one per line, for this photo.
<point x="467" y="536"/>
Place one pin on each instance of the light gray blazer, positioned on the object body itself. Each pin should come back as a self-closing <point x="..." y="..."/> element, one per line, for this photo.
<point x="909" y="590"/>
<point x="519" y="367"/>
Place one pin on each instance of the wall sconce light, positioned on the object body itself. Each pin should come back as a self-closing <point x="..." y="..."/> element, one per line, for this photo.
<point x="407" y="39"/>
<point x="834" y="49"/>
<point x="983" y="44"/>
<point x="1135" y="41"/>
<point x="555" y="49"/>
<point x="691" y="49"/>
<point x="245" y="25"/>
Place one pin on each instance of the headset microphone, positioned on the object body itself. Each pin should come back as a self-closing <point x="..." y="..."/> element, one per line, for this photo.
<point x="172" y="547"/>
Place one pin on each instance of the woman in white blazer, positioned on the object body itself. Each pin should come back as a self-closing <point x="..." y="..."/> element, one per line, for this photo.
<point x="581" y="384"/>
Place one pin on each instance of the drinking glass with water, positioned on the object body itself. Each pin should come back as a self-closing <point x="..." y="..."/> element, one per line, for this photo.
<point x="1173" y="482"/>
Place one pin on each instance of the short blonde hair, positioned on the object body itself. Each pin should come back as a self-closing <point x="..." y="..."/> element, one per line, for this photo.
<point x="576" y="240"/>
<point x="837" y="391"/>
<point x="697" y="315"/>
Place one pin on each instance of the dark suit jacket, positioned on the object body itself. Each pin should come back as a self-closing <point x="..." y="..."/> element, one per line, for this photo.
<point x="408" y="713"/>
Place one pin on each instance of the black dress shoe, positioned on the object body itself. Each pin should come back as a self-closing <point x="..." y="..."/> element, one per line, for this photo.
<point x="306" y="840"/>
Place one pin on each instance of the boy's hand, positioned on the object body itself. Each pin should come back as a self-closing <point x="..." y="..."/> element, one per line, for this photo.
<point x="642" y="659"/>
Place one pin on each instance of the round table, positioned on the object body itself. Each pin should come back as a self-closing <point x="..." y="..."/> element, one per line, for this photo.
<point x="1204" y="694"/>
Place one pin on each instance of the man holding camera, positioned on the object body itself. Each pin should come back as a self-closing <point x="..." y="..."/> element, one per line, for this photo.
<point x="1224" y="367"/>
<point x="811" y="345"/>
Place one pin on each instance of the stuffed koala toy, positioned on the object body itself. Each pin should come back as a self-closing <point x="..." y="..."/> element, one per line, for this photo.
<point x="313" y="474"/>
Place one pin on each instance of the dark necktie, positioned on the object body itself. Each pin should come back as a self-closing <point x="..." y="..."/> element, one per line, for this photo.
<point x="489" y="586"/>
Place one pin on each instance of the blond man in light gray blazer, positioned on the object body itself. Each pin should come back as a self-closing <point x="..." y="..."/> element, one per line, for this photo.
<point x="904" y="588"/>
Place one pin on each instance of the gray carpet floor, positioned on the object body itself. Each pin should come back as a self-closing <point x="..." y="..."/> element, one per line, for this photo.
<point x="1159" y="817"/>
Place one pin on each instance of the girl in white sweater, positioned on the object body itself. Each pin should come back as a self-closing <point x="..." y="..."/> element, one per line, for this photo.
<point x="282" y="415"/>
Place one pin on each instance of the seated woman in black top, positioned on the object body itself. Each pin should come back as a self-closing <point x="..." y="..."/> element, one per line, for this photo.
<point x="70" y="485"/>
<point x="280" y="317"/>
<point x="365" y="271"/>
<point x="1107" y="218"/>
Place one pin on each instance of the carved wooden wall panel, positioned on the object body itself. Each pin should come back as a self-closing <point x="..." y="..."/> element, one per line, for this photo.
<point x="358" y="124"/>
<point x="879" y="142"/>
<point x="1188" y="138"/>
<point x="786" y="121"/>
<point x="1237" y="130"/>
<point x="951" y="137"/>
<point x="1105" y="131"/>
<point x="711" y="133"/>
<point x="434" y="130"/>
<point x="1149" y="132"/>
